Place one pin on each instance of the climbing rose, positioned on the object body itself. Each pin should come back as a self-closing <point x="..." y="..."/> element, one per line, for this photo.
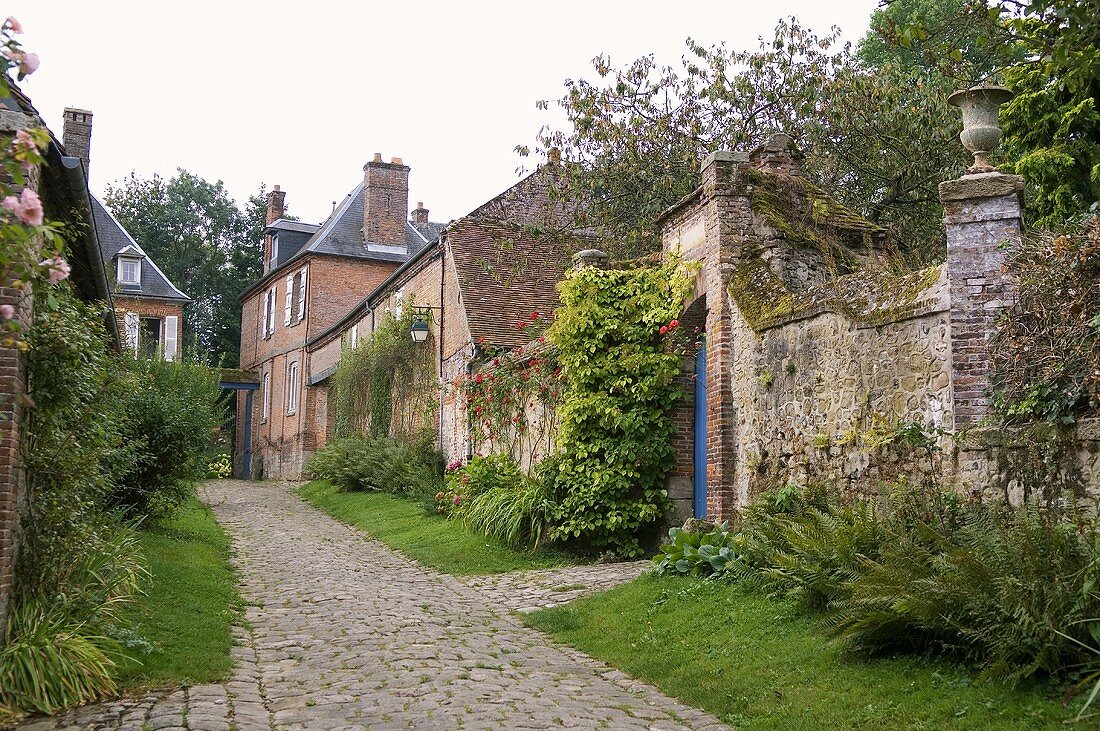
<point x="664" y="329"/>
<point x="14" y="25"/>
<point x="535" y="315"/>
<point x="24" y="140"/>
<point x="674" y="323"/>
<point x="478" y="378"/>
<point x="59" y="268"/>
<point x="7" y="312"/>
<point x="28" y="207"/>
<point x="29" y="64"/>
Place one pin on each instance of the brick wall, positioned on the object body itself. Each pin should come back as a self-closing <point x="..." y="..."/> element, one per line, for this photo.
<point x="386" y="201"/>
<point x="12" y="390"/>
<point x="148" y="308"/>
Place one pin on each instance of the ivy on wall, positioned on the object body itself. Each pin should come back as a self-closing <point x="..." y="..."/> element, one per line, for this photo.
<point x="386" y="386"/>
<point x="619" y="347"/>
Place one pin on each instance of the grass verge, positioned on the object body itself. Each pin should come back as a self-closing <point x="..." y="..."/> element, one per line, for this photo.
<point x="432" y="540"/>
<point x="191" y="601"/>
<point x="757" y="664"/>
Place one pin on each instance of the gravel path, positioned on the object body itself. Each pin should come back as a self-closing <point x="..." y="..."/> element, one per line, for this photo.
<point x="347" y="634"/>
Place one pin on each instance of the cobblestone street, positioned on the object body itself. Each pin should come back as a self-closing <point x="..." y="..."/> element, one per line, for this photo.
<point x="346" y="634"/>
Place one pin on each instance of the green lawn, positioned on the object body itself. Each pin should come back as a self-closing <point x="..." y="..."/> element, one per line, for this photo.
<point x="432" y="540"/>
<point x="756" y="664"/>
<point x="191" y="601"/>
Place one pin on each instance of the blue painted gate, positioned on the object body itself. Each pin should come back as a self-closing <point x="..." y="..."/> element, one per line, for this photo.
<point x="700" y="479"/>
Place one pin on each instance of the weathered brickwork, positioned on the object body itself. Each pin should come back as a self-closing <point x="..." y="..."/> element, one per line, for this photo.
<point x="12" y="389"/>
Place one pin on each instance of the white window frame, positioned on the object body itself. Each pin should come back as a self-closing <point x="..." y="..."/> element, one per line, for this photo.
<point x="122" y="262"/>
<point x="274" y="249"/>
<point x="265" y="410"/>
<point x="169" y="336"/>
<point x="354" y="337"/>
<point x="269" y="313"/>
<point x="399" y="307"/>
<point x="289" y="301"/>
<point x="292" y="388"/>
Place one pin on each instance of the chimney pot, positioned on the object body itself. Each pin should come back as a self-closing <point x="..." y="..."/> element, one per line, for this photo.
<point x="396" y="161"/>
<point x="277" y="188"/>
<point x="378" y="157"/>
<point x="420" y="215"/>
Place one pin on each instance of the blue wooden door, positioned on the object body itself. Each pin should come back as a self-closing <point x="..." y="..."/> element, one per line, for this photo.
<point x="700" y="481"/>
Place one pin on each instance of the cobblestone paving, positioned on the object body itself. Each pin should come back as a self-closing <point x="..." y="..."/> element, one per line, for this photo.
<point x="528" y="591"/>
<point x="346" y="634"/>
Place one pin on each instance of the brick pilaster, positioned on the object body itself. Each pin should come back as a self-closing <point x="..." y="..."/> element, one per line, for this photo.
<point x="982" y="218"/>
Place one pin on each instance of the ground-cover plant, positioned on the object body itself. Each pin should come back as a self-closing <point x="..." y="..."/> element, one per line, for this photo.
<point x="614" y="333"/>
<point x="698" y="553"/>
<point x="180" y="629"/>
<point x="353" y="464"/>
<point x="433" y="540"/>
<point x="760" y="663"/>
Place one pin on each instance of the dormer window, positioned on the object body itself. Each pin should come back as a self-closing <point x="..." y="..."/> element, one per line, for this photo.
<point x="274" y="249"/>
<point x="129" y="271"/>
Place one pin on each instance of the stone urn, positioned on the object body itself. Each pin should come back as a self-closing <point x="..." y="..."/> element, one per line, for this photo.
<point x="981" y="131"/>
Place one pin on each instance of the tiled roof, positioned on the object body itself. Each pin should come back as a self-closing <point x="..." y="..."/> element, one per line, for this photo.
<point x="506" y="272"/>
<point x="113" y="240"/>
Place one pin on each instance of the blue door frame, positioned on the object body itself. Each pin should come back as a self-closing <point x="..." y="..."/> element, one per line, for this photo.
<point x="248" y="388"/>
<point x="700" y="478"/>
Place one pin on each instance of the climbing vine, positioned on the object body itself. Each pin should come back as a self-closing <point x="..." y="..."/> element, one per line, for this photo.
<point x="620" y="351"/>
<point x="511" y="403"/>
<point x="386" y="386"/>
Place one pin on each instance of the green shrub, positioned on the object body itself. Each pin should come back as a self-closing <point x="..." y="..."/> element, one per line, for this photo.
<point x="170" y="414"/>
<point x="491" y="496"/>
<point x="697" y="553"/>
<point x="382" y="464"/>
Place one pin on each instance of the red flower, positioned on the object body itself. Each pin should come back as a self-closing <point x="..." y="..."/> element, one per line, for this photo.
<point x="521" y="325"/>
<point x="535" y="315"/>
<point x="480" y="341"/>
<point x="478" y="378"/>
<point x="674" y="323"/>
<point x="664" y="329"/>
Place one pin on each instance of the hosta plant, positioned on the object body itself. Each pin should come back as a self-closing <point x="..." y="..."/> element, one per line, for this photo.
<point x="697" y="553"/>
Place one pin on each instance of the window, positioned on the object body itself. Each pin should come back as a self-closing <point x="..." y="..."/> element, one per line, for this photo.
<point x="149" y="334"/>
<point x="129" y="270"/>
<point x="399" y="308"/>
<point x="354" y="335"/>
<point x="274" y="249"/>
<point x="294" y="308"/>
<point x="266" y="409"/>
<point x="269" y="314"/>
<point x="292" y="388"/>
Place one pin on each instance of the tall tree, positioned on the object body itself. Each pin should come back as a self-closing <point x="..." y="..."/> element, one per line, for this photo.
<point x="874" y="137"/>
<point x="204" y="242"/>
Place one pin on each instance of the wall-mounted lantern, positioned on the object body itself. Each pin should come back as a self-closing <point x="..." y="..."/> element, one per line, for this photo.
<point x="419" y="329"/>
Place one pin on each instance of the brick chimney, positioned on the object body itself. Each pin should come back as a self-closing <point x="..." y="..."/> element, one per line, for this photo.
<point x="77" y="135"/>
<point x="276" y="205"/>
<point x="385" y="201"/>
<point x="420" y="215"/>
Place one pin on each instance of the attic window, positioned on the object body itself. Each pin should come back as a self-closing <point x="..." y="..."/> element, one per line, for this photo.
<point x="129" y="270"/>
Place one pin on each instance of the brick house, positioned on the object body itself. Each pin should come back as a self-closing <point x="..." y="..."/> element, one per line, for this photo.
<point x="62" y="185"/>
<point x="487" y="271"/>
<point x="148" y="307"/>
<point x="313" y="275"/>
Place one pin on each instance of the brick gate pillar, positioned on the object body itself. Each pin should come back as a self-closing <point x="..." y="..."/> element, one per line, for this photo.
<point x="982" y="218"/>
<point x="728" y="220"/>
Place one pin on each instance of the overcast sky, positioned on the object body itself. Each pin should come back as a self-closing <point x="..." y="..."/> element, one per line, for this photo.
<point x="302" y="94"/>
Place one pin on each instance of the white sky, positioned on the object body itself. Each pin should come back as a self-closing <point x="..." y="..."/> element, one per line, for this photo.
<point x="302" y="94"/>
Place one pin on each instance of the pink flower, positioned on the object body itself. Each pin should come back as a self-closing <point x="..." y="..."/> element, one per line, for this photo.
<point x="664" y="329"/>
<point x="29" y="63"/>
<point x="59" y="268"/>
<point x="24" y="140"/>
<point x="28" y="207"/>
<point x="7" y="312"/>
<point x="14" y="25"/>
<point x="674" y="323"/>
<point x="457" y="500"/>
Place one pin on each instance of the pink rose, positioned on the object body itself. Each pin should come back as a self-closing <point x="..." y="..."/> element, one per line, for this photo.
<point x="7" y="312"/>
<point x="457" y="499"/>
<point x="28" y="207"/>
<point x="14" y="25"/>
<point x="59" y="268"/>
<point x="24" y="140"/>
<point x="28" y="64"/>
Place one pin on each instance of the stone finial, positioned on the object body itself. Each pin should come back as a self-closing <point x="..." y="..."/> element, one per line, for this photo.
<point x="778" y="153"/>
<point x="590" y="258"/>
<point x="981" y="129"/>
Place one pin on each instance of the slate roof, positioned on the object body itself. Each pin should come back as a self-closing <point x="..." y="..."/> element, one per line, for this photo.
<point x="506" y="272"/>
<point x="114" y="239"/>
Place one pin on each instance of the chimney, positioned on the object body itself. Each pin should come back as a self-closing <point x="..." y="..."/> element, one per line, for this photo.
<point x="420" y="215"/>
<point x="77" y="135"/>
<point x="276" y="205"/>
<point x="385" y="201"/>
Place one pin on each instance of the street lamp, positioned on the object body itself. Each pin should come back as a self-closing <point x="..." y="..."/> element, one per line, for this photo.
<point x="419" y="329"/>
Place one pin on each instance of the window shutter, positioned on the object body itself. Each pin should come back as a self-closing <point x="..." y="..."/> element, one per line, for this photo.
<point x="171" y="337"/>
<point x="131" y="320"/>
<point x="289" y="299"/>
<point x="270" y="315"/>
<point x="354" y="335"/>
<point x="301" y="294"/>
<point x="262" y="317"/>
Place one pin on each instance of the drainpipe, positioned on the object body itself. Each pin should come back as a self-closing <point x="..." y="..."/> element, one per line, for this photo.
<point x="442" y="277"/>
